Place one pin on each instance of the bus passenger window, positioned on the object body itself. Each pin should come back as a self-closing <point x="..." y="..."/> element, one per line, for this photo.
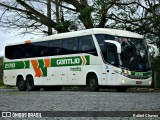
<point x="29" y="51"/>
<point x="85" y="48"/>
<point x="41" y="49"/>
<point x="55" y="47"/>
<point x="86" y="45"/>
<point x="70" y="46"/>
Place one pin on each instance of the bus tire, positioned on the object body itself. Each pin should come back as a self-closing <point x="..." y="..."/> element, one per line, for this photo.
<point x="21" y="84"/>
<point x="121" y="89"/>
<point x="30" y="84"/>
<point x="93" y="83"/>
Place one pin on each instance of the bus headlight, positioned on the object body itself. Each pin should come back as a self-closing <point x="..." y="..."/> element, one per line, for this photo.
<point x="150" y="82"/>
<point x="124" y="81"/>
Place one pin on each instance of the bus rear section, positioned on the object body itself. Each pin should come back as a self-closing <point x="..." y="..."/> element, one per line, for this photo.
<point x="51" y="64"/>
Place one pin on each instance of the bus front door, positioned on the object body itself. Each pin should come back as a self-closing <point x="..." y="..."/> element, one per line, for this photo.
<point x="112" y="62"/>
<point x="111" y="75"/>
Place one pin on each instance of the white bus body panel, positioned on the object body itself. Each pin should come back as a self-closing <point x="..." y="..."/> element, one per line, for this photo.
<point x="125" y="81"/>
<point x="65" y="75"/>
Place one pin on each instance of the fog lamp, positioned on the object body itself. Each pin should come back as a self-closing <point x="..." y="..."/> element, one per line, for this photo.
<point x="123" y="81"/>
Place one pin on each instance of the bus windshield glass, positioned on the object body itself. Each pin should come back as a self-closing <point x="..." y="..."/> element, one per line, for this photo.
<point x="134" y="55"/>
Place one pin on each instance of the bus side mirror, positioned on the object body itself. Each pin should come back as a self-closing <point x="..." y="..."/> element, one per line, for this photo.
<point x="153" y="50"/>
<point x="117" y="44"/>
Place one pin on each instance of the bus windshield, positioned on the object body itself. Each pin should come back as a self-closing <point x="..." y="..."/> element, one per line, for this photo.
<point x="134" y="55"/>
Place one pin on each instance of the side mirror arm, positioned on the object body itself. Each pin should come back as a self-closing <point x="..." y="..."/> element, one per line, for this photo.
<point x="117" y="44"/>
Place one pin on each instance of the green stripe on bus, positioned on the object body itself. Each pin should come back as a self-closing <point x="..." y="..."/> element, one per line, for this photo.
<point x="88" y="60"/>
<point x="55" y="62"/>
<point x="16" y="65"/>
<point x="133" y="73"/>
<point x="141" y="73"/>
<point x="42" y="67"/>
<point x="70" y="61"/>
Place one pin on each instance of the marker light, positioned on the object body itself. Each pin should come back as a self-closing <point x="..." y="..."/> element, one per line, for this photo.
<point x="27" y="41"/>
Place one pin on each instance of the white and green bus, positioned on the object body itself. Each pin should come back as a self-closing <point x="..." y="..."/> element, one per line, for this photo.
<point x="97" y="57"/>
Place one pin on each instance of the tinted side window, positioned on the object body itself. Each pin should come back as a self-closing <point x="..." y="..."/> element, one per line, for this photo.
<point x="86" y="45"/>
<point x="41" y="49"/>
<point x="55" y="47"/>
<point x="100" y="38"/>
<point x="29" y="51"/>
<point x="22" y="51"/>
<point x="70" y="46"/>
<point x="11" y="52"/>
<point x="17" y="51"/>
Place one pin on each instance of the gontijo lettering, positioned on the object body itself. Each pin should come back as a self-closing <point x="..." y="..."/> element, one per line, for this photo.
<point x="68" y="61"/>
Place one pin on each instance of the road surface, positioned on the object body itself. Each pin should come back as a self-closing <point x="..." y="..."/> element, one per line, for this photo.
<point x="14" y="100"/>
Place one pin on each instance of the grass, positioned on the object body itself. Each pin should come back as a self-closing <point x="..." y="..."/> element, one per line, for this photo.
<point x="1" y="71"/>
<point x="1" y="75"/>
<point x="156" y="72"/>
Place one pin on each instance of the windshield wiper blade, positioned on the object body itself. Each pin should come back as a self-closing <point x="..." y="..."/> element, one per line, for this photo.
<point x="124" y="68"/>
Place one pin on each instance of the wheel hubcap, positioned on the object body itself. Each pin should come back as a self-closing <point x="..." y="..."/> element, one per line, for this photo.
<point x="20" y="84"/>
<point x="92" y="82"/>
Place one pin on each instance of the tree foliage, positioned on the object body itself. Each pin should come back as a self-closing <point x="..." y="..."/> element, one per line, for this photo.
<point x="43" y="16"/>
<point x="142" y="16"/>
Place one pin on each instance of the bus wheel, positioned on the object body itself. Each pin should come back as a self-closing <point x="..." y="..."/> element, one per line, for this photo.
<point x="30" y="84"/>
<point x="121" y="89"/>
<point x="93" y="83"/>
<point x="21" y="84"/>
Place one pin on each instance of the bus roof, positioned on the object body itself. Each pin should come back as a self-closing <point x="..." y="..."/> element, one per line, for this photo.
<point x="114" y="32"/>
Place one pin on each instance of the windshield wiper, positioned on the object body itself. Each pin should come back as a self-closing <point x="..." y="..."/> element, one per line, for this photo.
<point x="124" y="68"/>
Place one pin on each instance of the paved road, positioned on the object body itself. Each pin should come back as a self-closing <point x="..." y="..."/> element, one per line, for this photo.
<point x="13" y="100"/>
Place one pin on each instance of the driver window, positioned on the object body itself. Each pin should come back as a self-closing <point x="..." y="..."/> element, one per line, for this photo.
<point x="111" y="54"/>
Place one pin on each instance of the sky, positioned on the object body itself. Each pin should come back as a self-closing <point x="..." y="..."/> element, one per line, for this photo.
<point x="7" y="38"/>
<point x="11" y="37"/>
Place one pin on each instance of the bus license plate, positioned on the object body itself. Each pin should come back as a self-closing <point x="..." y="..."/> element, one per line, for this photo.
<point x="138" y="82"/>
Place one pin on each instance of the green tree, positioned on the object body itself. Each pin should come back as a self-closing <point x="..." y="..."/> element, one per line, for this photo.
<point x="142" y="16"/>
<point x="35" y="16"/>
<point x="49" y="16"/>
